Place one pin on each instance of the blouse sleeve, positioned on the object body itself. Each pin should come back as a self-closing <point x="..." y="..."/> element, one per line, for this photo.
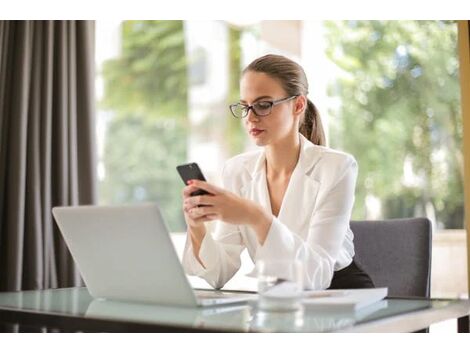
<point x="220" y="252"/>
<point x="327" y="230"/>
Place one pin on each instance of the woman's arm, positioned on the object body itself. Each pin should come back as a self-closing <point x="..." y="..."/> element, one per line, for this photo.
<point x="326" y="233"/>
<point x="218" y="257"/>
<point x="260" y="222"/>
<point x="213" y="257"/>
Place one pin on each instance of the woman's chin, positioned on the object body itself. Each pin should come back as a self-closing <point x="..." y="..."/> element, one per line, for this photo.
<point x="259" y="142"/>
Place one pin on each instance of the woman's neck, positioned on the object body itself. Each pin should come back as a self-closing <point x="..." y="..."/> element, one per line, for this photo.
<point x="282" y="157"/>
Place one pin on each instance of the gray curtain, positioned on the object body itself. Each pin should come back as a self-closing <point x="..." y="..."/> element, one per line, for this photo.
<point x="47" y="146"/>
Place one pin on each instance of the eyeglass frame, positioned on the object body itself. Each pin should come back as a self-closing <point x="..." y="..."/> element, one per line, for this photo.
<point x="248" y="107"/>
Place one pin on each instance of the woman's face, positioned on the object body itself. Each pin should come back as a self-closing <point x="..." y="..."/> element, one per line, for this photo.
<point x="283" y="119"/>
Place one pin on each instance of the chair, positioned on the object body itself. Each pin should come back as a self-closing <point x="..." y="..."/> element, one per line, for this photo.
<point x="396" y="254"/>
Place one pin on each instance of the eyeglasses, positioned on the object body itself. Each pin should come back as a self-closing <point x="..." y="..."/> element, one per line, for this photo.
<point x="260" y="108"/>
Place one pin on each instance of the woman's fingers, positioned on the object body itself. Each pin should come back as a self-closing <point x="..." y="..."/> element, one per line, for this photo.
<point x="203" y="218"/>
<point x="200" y="208"/>
<point x="187" y="190"/>
<point x="197" y="212"/>
<point x="196" y="220"/>
<point x="206" y="186"/>
<point x="199" y="200"/>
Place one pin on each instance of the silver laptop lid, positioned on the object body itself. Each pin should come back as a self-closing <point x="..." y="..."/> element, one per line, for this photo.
<point x="125" y="253"/>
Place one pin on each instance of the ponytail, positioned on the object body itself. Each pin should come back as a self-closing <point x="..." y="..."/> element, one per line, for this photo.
<point x="311" y="126"/>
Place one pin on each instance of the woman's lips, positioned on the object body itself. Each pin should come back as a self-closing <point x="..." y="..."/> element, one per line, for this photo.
<point x="256" y="132"/>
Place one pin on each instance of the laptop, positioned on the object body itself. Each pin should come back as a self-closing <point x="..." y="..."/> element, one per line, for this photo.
<point x="125" y="253"/>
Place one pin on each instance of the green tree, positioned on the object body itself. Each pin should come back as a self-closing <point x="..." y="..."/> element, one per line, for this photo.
<point x="146" y="94"/>
<point x="400" y="101"/>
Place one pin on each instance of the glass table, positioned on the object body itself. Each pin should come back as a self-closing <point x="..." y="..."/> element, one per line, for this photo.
<point x="73" y="309"/>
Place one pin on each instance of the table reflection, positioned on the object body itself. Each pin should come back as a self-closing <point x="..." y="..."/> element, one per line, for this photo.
<point x="234" y="317"/>
<point x="311" y="320"/>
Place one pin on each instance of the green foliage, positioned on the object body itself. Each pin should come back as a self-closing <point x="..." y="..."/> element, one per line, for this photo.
<point x="141" y="157"/>
<point x="146" y="93"/>
<point x="149" y="77"/>
<point x="400" y="100"/>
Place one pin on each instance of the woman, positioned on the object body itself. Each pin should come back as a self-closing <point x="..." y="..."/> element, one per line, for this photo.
<point x="293" y="196"/>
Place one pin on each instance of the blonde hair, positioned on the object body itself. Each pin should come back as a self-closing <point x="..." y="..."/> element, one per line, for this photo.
<point x="293" y="80"/>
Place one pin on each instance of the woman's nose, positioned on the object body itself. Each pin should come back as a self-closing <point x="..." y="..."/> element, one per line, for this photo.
<point x="251" y="116"/>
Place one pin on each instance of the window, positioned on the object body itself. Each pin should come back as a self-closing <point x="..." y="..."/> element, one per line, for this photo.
<point x="399" y="114"/>
<point x="388" y="93"/>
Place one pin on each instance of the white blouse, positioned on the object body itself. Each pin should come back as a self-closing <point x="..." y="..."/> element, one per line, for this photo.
<point x="313" y="219"/>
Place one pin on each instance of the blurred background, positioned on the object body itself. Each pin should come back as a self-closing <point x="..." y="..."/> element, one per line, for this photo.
<point x="388" y="93"/>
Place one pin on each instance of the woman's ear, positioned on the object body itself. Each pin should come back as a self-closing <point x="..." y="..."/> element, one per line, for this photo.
<point x="300" y="104"/>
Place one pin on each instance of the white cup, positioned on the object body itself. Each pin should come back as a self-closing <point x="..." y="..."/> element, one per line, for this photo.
<point x="280" y="284"/>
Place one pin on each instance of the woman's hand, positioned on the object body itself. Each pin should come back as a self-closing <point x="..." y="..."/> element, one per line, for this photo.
<point x="196" y="227"/>
<point x="220" y="204"/>
<point x="193" y="220"/>
<point x="226" y="206"/>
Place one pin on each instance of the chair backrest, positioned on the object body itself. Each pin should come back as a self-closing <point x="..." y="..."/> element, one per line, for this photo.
<point x="395" y="253"/>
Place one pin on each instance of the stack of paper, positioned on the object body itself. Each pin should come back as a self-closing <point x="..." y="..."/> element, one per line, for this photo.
<point x="350" y="299"/>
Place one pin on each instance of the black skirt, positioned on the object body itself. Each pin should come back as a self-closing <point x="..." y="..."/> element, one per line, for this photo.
<point x="351" y="277"/>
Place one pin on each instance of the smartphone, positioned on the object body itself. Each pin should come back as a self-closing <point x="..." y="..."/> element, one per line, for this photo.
<point x="191" y="171"/>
